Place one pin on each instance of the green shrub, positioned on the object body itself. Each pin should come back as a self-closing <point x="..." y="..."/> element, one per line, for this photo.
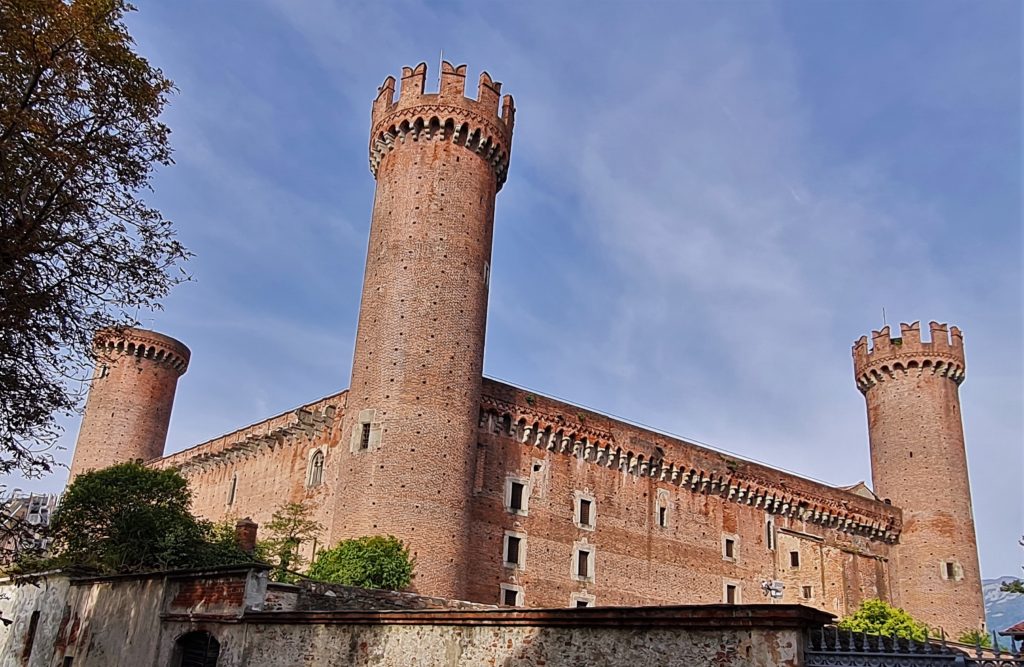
<point x="367" y="562"/>
<point x="880" y="618"/>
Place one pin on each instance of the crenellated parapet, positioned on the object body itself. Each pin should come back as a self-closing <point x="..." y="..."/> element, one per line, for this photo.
<point x="742" y="482"/>
<point x="143" y="344"/>
<point x="888" y="358"/>
<point x="447" y="115"/>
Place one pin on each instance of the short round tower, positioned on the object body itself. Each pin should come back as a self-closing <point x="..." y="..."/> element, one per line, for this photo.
<point x="919" y="463"/>
<point x="409" y="431"/>
<point x="130" y="398"/>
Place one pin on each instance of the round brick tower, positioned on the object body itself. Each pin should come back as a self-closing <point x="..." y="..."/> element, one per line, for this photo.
<point x="919" y="463"/>
<point x="409" y="431"/>
<point x="130" y="399"/>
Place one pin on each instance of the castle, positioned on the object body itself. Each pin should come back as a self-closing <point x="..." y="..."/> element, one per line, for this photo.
<point x="510" y="497"/>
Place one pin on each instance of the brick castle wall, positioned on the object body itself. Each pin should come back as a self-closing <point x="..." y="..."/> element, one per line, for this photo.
<point x="130" y="398"/>
<point x="918" y="460"/>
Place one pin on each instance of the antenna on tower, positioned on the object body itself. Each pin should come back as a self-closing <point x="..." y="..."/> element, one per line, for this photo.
<point x="440" y="66"/>
<point x="883" y="316"/>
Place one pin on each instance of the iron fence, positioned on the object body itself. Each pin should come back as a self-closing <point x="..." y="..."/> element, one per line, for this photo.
<point x="832" y="647"/>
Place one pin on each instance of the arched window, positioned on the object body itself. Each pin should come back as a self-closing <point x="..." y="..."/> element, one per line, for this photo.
<point x="316" y="469"/>
<point x="196" y="649"/>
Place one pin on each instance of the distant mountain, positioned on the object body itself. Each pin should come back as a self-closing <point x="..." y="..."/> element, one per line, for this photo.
<point x="1001" y="609"/>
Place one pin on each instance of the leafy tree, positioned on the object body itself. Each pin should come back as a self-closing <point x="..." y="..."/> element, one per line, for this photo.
<point x="80" y="250"/>
<point x="880" y="618"/>
<point x="368" y="562"/>
<point x="975" y="638"/>
<point x="130" y="518"/>
<point x="290" y="527"/>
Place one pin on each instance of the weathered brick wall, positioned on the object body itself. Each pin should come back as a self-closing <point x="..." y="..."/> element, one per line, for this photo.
<point x="268" y="465"/>
<point x="919" y="461"/>
<point x="637" y="561"/>
<point x="130" y="398"/>
<point x="419" y="345"/>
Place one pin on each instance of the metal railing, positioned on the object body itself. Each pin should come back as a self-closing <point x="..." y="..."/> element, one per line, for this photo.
<point x="831" y="647"/>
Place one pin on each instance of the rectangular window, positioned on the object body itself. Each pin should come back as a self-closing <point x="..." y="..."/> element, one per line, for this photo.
<point x="515" y="502"/>
<point x="769" y="533"/>
<point x="512" y="550"/>
<point x="517" y="495"/>
<point x="30" y="636"/>
<point x="729" y="549"/>
<point x="364" y="437"/>
<point x="584" y="512"/>
<point x="794" y="559"/>
<point x="231" y="491"/>
<point x="663" y="516"/>
<point x="950" y="571"/>
<point x="583" y="563"/>
<point x="511" y="595"/>
<point x="808" y="592"/>
<point x="730" y="594"/>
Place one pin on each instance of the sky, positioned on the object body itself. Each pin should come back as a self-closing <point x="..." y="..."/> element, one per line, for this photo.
<point x="708" y="202"/>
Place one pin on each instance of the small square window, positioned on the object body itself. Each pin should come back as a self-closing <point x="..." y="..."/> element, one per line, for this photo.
<point x="582" y="603"/>
<point x="511" y="595"/>
<point x="794" y="559"/>
<point x="729" y="548"/>
<point x="731" y="594"/>
<point x="808" y="592"/>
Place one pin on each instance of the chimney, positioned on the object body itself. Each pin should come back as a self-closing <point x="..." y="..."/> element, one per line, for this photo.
<point x="245" y="535"/>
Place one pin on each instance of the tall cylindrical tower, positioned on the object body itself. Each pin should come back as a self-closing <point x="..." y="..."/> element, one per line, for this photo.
<point x="409" y="432"/>
<point x="919" y="463"/>
<point x="130" y="399"/>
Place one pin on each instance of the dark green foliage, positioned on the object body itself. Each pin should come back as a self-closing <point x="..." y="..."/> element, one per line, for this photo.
<point x="130" y="518"/>
<point x="880" y="618"/>
<point x="366" y="562"/>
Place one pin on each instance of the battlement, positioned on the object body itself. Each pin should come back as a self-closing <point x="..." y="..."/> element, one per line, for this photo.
<point x="886" y="356"/>
<point x="142" y="343"/>
<point x="479" y="124"/>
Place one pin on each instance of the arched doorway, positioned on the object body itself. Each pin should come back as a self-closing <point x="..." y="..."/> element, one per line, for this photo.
<point x="196" y="649"/>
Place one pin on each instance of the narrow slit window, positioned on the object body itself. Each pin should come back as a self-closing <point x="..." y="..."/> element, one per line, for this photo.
<point x="364" y="437"/>
<point x="232" y="489"/>
<point x="663" y="516"/>
<point x="950" y="571"/>
<point x="513" y="551"/>
<point x="769" y="534"/>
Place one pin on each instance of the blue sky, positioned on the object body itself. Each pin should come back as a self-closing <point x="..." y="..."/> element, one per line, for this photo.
<point x="707" y="204"/>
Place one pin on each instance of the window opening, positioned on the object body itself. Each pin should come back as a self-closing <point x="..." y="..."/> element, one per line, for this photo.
<point x="364" y="437"/>
<point x="316" y="469"/>
<point x="584" y="512"/>
<point x="769" y="533"/>
<point x="30" y="636"/>
<point x="510" y="596"/>
<point x="808" y="592"/>
<point x="583" y="563"/>
<point x="516" y="496"/>
<point x="794" y="559"/>
<point x="663" y="516"/>
<point x="197" y="649"/>
<point x="729" y="550"/>
<point x="234" y="487"/>
<point x="582" y="603"/>
<point x="513" y="550"/>
<point x="730" y="594"/>
<point x="950" y="571"/>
